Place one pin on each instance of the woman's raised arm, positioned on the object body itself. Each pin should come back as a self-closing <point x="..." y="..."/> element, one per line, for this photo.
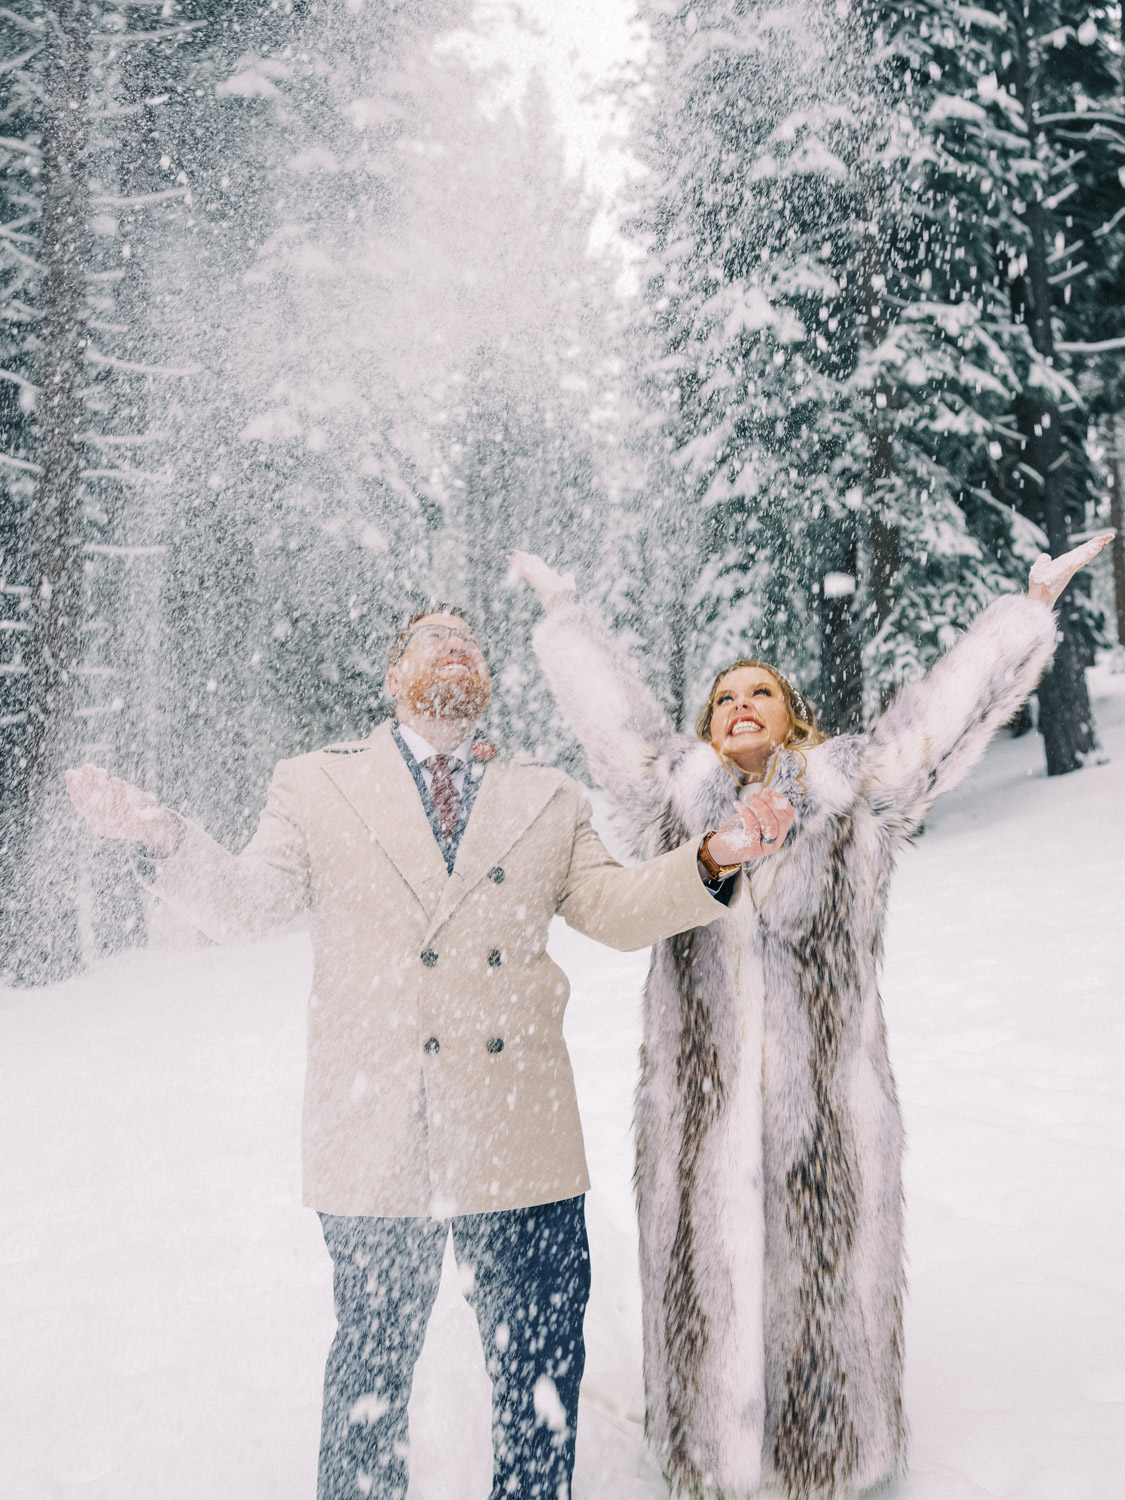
<point x="625" y="733"/>
<point x="937" y="728"/>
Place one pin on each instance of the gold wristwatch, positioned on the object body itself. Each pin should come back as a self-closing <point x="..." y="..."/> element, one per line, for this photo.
<point x="714" y="871"/>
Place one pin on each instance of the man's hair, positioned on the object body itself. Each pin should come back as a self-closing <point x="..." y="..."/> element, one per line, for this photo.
<point x="436" y="607"/>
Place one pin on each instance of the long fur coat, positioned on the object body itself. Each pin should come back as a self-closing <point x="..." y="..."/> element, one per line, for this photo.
<point x="768" y="1133"/>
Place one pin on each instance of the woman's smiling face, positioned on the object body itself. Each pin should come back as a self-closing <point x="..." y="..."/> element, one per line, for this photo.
<point x="749" y="718"/>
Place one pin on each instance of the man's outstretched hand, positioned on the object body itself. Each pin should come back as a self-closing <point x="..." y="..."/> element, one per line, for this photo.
<point x="116" y="810"/>
<point x="1050" y="575"/>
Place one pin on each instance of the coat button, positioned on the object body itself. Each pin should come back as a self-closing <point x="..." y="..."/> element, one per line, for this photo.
<point x="429" y="957"/>
<point x="494" y="959"/>
<point x="495" y="1044"/>
<point x="496" y="875"/>
<point x="432" y="1045"/>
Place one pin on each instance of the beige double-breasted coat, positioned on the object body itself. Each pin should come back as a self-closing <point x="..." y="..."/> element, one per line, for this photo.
<point x="438" y="1081"/>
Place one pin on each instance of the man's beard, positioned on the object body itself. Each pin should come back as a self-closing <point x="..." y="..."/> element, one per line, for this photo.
<point x="465" y="695"/>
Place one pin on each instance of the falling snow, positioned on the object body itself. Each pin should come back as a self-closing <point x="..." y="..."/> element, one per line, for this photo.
<point x="795" y="332"/>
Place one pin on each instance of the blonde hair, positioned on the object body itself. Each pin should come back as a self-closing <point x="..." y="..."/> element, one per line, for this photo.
<point x="803" y="732"/>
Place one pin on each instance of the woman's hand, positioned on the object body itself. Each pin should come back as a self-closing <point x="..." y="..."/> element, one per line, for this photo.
<point x="1050" y="575"/>
<point x="116" y="810"/>
<point x="553" y="588"/>
<point x="757" y="829"/>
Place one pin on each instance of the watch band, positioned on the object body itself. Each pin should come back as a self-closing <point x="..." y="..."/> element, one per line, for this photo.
<point x="714" y="871"/>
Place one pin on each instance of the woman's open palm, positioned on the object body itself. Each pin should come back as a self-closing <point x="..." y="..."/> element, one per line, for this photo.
<point x="553" y="588"/>
<point x="1050" y="575"/>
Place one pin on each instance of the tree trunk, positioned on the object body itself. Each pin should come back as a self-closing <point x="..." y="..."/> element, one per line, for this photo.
<point x="886" y="550"/>
<point x="841" y="654"/>
<point x="50" y="947"/>
<point x="678" y="626"/>
<point x="886" y="559"/>
<point x="840" y="698"/>
<point x="131" y="677"/>
<point x="683" y="561"/>
<point x="1117" y="520"/>
<point x="1066" y="720"/>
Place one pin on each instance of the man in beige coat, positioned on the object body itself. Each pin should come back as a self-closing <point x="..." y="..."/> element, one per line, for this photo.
<point x="438" y="1090"/>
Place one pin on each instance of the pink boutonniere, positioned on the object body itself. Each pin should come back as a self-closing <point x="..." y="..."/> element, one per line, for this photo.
<point x="482" y="751"/>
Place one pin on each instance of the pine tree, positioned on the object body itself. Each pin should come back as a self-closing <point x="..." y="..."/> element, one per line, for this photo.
<point x="85" y="95"/>
<point x="298" y="512"/>
<point x="838" y="216"/>
<point x="140" y="57"/>
<point x="1059" y="70"/>
<point x="21" y="162"/>
<point x="509" y="373"/>
<point x="395" y="386"/>
<point x="47" y="939"/>
<point x="722" y="219"/>
<point x="812" y="398"/>
<point x="1089" y="262"/>
<point x="952" y="359"/>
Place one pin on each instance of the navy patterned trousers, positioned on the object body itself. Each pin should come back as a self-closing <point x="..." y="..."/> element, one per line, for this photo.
<point x="530" y="1284"/>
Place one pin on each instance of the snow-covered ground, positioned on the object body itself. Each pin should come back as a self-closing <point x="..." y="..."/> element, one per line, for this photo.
<point x="165" y="1301"/>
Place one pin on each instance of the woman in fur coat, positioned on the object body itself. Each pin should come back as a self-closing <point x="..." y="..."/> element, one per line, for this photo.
<point x="768" y="1133"/>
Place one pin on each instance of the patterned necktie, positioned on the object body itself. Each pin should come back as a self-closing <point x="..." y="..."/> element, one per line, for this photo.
<point x="447" y="799"/>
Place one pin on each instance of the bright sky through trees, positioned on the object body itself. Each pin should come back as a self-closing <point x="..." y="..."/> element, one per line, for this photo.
<point x="578" y="48"/>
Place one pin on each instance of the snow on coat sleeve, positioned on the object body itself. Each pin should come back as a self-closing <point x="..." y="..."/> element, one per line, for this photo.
<point x="615" y="716"/>
<point x="236" y="898"/>
<point x="937" y="728"/>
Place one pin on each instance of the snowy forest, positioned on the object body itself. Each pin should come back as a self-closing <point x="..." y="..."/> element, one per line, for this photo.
<point x="795" y="331"/>
<point x="301" y="324"/>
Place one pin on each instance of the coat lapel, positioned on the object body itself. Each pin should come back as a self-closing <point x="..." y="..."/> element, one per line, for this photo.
<point x="375" y="782"/>
<point x="508" y="801"/>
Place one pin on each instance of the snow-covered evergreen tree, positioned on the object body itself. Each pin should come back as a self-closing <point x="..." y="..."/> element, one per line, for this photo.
<point x="951" y="359"/>
<point x="85" y="102"/>
<point x="1061" y="67"/>
<point x="507" y="370"/>
<point x="21" y="49"/>
<point x="298" y="514"/>
<point x="385" y="290"/>
<point x="809" y="394"/>
<point x="835" y="213"/>
<point x="732" y="191"/>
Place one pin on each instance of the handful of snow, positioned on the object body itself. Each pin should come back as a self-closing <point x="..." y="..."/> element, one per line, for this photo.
<point x="758" y="827"/>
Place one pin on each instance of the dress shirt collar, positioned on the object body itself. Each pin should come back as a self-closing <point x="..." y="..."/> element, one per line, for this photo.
<point x="421" y="749"/>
